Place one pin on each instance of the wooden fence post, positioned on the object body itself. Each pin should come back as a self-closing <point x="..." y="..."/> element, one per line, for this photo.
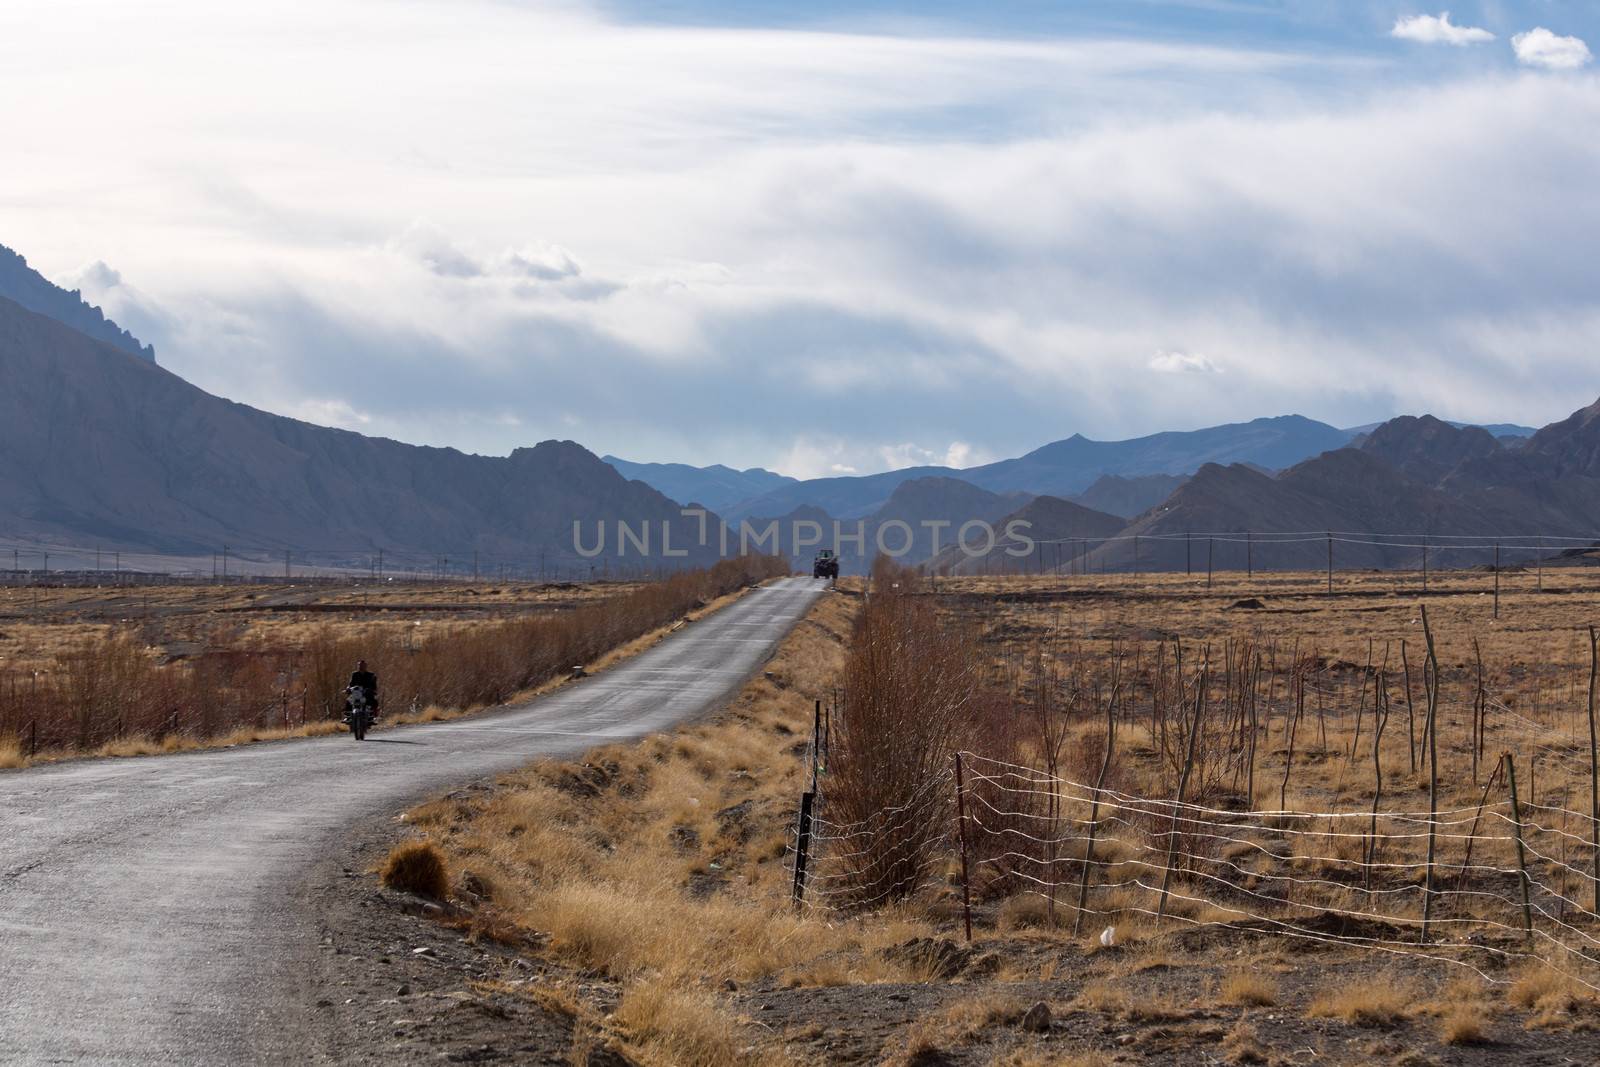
<point x="1594" y="765"/>
<point x="1094" y="813"/>
<point x="1183" y="785"/>
<point x="961" y="834"/>
<point x="1522" y="858"/>
<point x="1431" y="678"/>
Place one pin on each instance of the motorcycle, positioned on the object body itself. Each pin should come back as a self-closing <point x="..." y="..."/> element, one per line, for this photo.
<point x="358" y="712"/>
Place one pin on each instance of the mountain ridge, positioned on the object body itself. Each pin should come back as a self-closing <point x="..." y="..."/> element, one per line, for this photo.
<point x="25" y="286"/>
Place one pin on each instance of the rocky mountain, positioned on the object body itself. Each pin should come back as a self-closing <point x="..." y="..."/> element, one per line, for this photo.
<point x="715" y="487"/>
<point x="23" y="285"/>
<point x="99" y="446"/>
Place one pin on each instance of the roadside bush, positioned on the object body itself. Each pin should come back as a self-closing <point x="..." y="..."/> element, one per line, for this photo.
<point x="416" y="867"/>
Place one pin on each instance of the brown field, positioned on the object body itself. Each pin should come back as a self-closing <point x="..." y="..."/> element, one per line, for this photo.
<point x="652" y="882"/>
<point x="123" y="671"/>
<point x="37" y="622"/>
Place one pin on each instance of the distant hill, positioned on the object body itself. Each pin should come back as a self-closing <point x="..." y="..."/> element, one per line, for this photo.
<point x="1053" y="524"/>
<point x="1067" y="468"/>
<point x="23" y="285"/>
<point x="716" y="487"/>
<point x="99" y="446"/>
<point x="1114" y="494"/>
<point x="1506" y="431"/>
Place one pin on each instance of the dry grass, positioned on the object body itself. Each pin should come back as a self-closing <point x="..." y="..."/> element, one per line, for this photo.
<point x="1246" y="989"/>
<point x="1554" y="1001"/>
<point x="672" y="1025"/>
<point x="1376" y="1004"/>
<point x="1464" y="1025"/>
<point x="416" y="867"/>
<point x="965" y="1019"/>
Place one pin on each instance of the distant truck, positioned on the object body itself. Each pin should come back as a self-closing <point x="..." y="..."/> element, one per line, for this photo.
<point x="826" y="565"/>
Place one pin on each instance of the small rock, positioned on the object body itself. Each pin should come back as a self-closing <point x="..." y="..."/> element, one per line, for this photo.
<point x="423" y="951"/>
<point x="1037" y="1019"/>
<point x="324" y="1003"/>
<point x="404" y="990"/>
<point x="730" y="986"/>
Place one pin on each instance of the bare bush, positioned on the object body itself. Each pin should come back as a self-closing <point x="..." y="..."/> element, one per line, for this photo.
<point x="106" y="689"/>
<point x="908" y="688"/>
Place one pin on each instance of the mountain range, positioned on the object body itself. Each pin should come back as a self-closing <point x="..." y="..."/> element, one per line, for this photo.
<point x="1121" y="477"/>
<point x="101" y="446"/>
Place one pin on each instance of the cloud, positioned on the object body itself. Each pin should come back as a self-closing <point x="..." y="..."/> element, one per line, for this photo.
<point x="1183" y="363"/>
<point x="430" y="246"/>
<point x="1438" y="29"/>
<point x="1541" y="48"/>
<point x="801" y="250"/>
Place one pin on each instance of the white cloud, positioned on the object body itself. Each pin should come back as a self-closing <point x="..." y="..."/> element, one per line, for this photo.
<point x="725" y="242"/>
<point x="1541" y="48"/>
<point x="959" y="454"/>
<point x="1183" y="363"/>
<point x="1438" y="29"/>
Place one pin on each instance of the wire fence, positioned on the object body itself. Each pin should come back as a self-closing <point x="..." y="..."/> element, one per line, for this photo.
<point x="1485" y="880"/>
<point x="1480" y="887"/>
<point x="38" y="563"/>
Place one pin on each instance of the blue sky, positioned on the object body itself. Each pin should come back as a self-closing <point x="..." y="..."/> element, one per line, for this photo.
<point x="860" y="237"/>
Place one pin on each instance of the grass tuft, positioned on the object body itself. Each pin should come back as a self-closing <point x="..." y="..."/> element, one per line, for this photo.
<point x="417" y="867"/>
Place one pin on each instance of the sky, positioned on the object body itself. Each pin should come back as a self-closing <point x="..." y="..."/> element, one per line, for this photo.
<point x="823" y="238"/>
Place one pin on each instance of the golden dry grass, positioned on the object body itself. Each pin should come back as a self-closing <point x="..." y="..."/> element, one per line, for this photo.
<point x="1464" y="1025"/>
<point x="1381" y="1002"/>
<point x="1246" y="989"/>
<point x="668" y="1024"/>
<point x="416" y="867"/>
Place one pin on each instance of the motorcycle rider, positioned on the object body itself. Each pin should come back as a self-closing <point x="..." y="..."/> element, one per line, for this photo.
<point x="367" y="682"/>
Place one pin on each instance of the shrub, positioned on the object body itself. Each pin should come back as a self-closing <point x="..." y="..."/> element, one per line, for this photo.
<point x="417" y="867"/>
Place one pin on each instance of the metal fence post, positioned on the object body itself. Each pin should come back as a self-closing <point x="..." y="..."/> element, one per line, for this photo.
<point x="802" y="848"/>
<point x="961" y="834"/>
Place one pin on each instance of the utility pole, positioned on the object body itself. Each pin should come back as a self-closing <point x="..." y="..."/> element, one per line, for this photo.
<point x="1330" y="562"/>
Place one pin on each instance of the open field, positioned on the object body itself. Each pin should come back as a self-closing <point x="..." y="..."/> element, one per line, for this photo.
<point x="39" y="621"/>
<point x="133" y="672"/>
<point x="651" y="885"/>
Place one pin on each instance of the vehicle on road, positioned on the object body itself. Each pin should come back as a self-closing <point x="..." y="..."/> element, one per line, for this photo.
<point x="826" y="565"/>
<point x="358" y="712"/>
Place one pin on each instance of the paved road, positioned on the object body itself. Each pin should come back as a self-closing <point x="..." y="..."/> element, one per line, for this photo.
<point x="153" y="911"/>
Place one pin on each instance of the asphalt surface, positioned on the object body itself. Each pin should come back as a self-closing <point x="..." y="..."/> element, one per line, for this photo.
<point x="159" y="910"/>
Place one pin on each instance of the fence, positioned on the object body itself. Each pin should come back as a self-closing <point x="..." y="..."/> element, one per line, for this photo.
<point x="1505" y="873"/>
<point x="36" y="563"/>
<point x="1209" y="552"/>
